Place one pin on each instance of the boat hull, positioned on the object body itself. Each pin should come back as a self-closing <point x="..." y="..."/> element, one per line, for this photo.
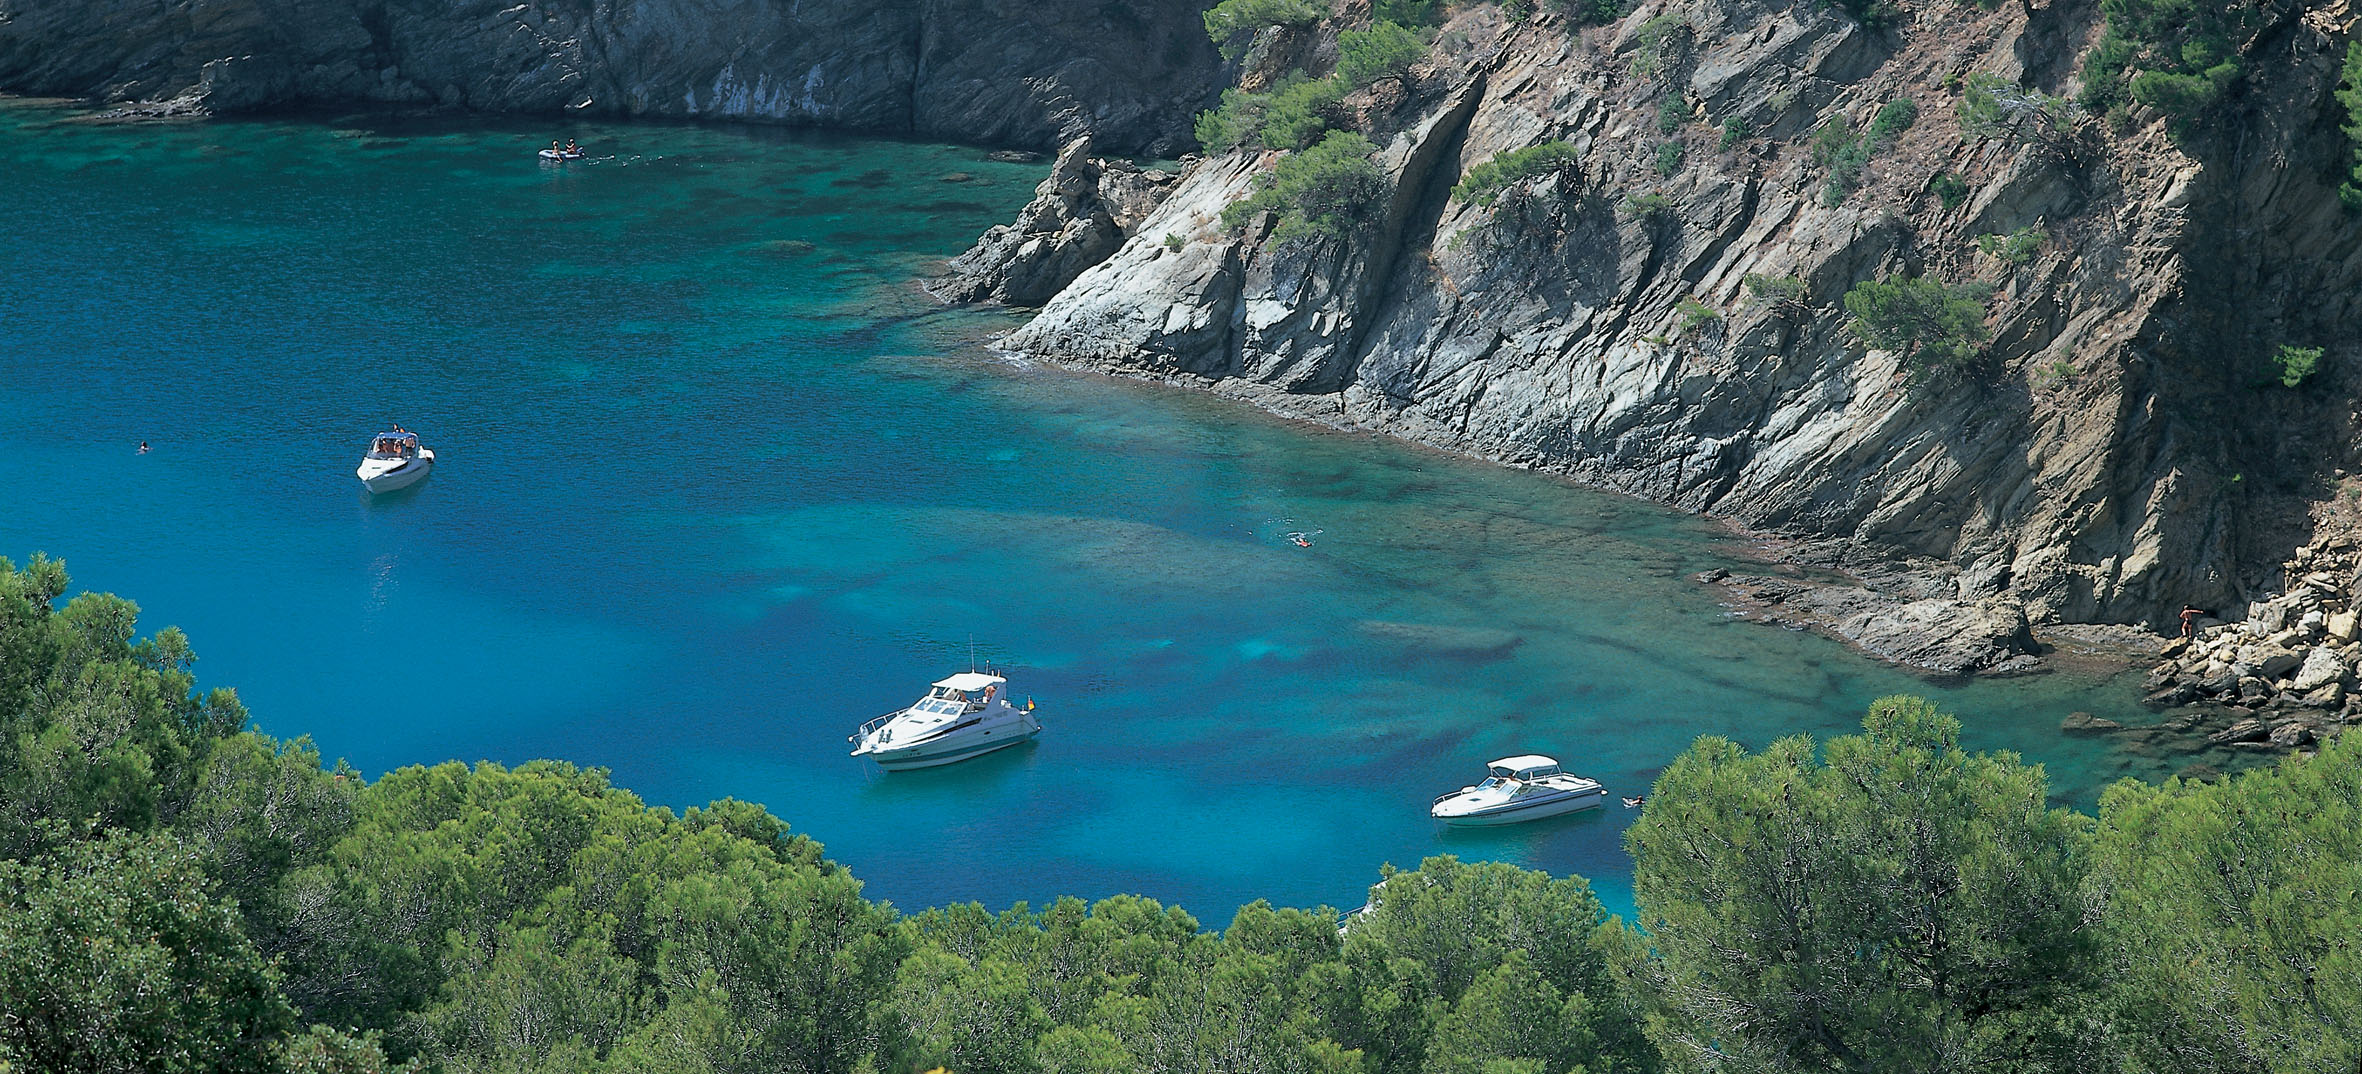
<point x="966" y="748"/>
<point x="1518" y="812"/>
<point x="410" y="473"/>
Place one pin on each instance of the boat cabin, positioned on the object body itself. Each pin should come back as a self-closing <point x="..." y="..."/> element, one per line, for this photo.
<point x="394" y="446"/>
<point x="1523" y="769"/>
<point x="966" y="692"/>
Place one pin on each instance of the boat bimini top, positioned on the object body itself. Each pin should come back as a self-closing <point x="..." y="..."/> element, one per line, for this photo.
<point x="1523" y="768"/>
<point x="962" y="693"/>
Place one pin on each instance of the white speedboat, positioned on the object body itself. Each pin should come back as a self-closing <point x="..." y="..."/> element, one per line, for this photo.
<point x="394" y="461"/>
<point x="966" y="715"/>
<point x="1518" y="789"/>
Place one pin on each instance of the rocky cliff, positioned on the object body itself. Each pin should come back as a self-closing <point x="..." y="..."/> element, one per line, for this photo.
<point x="2118" y="448"/>
<point x="980" y="71"/>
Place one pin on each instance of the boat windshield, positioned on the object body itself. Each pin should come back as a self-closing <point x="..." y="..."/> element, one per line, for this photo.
<point x="1496" y="781"/>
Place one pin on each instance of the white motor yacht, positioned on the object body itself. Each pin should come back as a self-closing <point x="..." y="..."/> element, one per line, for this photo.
<point x="966" y="715"/>
<point x="394" y="461"/>
<point x="1516" y="789"/>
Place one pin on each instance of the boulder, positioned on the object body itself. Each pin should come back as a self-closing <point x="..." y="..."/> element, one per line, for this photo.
<point x="2084" y="723"/>
<point x="2180" y="693"/>
<point x="2327" y="697"/>
<point x="2175" y="648"/>
<point x="2289" y="736"/>
<point x="2342" y="627"/>
<point x="2252" y="689"/>
<point x="2320" y="668"/>
<point x="2275" y="661"/>
<point x="2247" y="730"/>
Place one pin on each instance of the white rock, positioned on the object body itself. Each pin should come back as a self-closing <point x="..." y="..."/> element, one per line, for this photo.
<point x="2321" y="668"/>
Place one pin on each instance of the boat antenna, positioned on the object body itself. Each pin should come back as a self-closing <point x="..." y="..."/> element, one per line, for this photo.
<point x="971" y="653"/>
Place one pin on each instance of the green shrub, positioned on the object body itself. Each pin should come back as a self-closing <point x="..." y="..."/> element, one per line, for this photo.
<point x="1844" y="153"/>
<point x="2175" y="56"/>
<point x="1517" y="10"/>
<point x="2295" y="364"/>
<point x="1872" y="14"/>
<point x="2058" y="374"/>
<point x="2349" y="95"/>
<point x="1994" y="107"/>
<point x="1672" y="113"/>
<point x="1949" y="189"/>
<point x="1174" y="242"/>
<point x="1892" y="120"/>
<point x="1301" y="110"/>
<point x="1234" y="122"/>
<point x="1658" y="43"/>
<point x="1226" y="21"/>
<point x="2017" y="247"/>
<point x="1694" y="313"/>
<point x="1330" y="191"/>
<point x="1648" y="208"/>
<point x="1669" y="156"/>
<point x="1408" y="12"/>
<point x="1591" y="12"/>
<point x="1734" y="130"/>
<point x="1938" y="329"/>
<point x="1485" y="182"/>
<point x="1385" y="50"/>
<point x="1777" y="290"/>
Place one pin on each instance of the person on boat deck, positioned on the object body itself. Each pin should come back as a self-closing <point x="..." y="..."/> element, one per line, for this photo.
<point x="571" y="147"/>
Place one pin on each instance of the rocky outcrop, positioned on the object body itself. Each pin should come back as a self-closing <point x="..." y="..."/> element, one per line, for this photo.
<point x="1599" y="322"/>
<point x="1078" y="216"/>
<point x="979" y="71"/>
<point x="2285" y="675"/>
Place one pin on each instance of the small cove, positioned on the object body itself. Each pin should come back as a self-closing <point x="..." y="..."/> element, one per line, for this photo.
<point x="718" y="483"/>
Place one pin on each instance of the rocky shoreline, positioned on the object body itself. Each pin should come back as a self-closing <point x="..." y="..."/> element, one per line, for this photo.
<point x="2285" y="676"/>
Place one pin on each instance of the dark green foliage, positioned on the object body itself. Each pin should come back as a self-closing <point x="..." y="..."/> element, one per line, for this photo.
<point x="1328" y="192"/>
<point x="1872" y="14"/>
<point x="2349" y="97"/>
<point x="1893" y="118"/>
<point x="2177" y="56"/>
<point x="1949" y="189"/>
<point x="1734" y="131"/>
<point x="1777" y="291"/>
<point x="1669" y="156"/>
<point x="1648" y="208"/>
<point x="1671" y="114"/>
<point x="2017" y="247"/>
<point x="1844" y="153"/>
<point x="93" y="723"/>
<point x="1994" y="107"/>
<point x="1292" y="115"/>
<point x="2291" y="364"/>
<point x="1385" y="50"/>
<point x="1590" y="12"/>
<point x="116" y="955"/>
<point x="1486" y="181"/>
<point x="1939" y="330"/>
<point x="1408" y="12"/>
<point x="1694" y="313"/>
<point x="1231" y="20"/>
<point x="1897" y="904"/>
<point x="2233" y="913"/>
<point x="1659" y="44"/>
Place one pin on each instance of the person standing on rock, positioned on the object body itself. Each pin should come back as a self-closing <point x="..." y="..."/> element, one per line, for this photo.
<point x="2190" y="617"/>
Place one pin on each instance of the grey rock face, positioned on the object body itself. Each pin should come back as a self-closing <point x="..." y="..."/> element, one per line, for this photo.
<point x="1079" y="215"/>
<point x="979" y="71"/>
<point x="1605" y="328"/>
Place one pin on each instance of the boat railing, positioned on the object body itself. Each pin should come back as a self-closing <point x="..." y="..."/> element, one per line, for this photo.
<point x="875" y="724"/>
<point x="1451" y="794"/>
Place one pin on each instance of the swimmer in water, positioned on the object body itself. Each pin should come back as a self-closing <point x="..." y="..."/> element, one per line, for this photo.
<point x="143" y="447"/>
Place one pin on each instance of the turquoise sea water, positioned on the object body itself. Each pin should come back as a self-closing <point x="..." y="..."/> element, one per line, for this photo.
<point x="717" y="483"/>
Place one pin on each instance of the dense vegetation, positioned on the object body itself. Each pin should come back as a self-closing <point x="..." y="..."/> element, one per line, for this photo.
<point x="2176" y="56"/>
<point x="1938" y="328"/>
<point x="1330" y="191"/>
<point x="180" y="894"/>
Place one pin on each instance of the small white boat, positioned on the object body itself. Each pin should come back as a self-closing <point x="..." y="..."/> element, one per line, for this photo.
<point x="561" y="154"/>
<point x="394" y="461"/>
<point x="1516" y="789"/>
<point x="966" y="715"/>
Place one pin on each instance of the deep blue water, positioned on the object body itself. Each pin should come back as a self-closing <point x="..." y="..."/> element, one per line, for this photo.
<point x="717" y="483"/>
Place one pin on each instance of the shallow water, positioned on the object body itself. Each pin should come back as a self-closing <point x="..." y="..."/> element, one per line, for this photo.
<point x="716" y="483"/>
